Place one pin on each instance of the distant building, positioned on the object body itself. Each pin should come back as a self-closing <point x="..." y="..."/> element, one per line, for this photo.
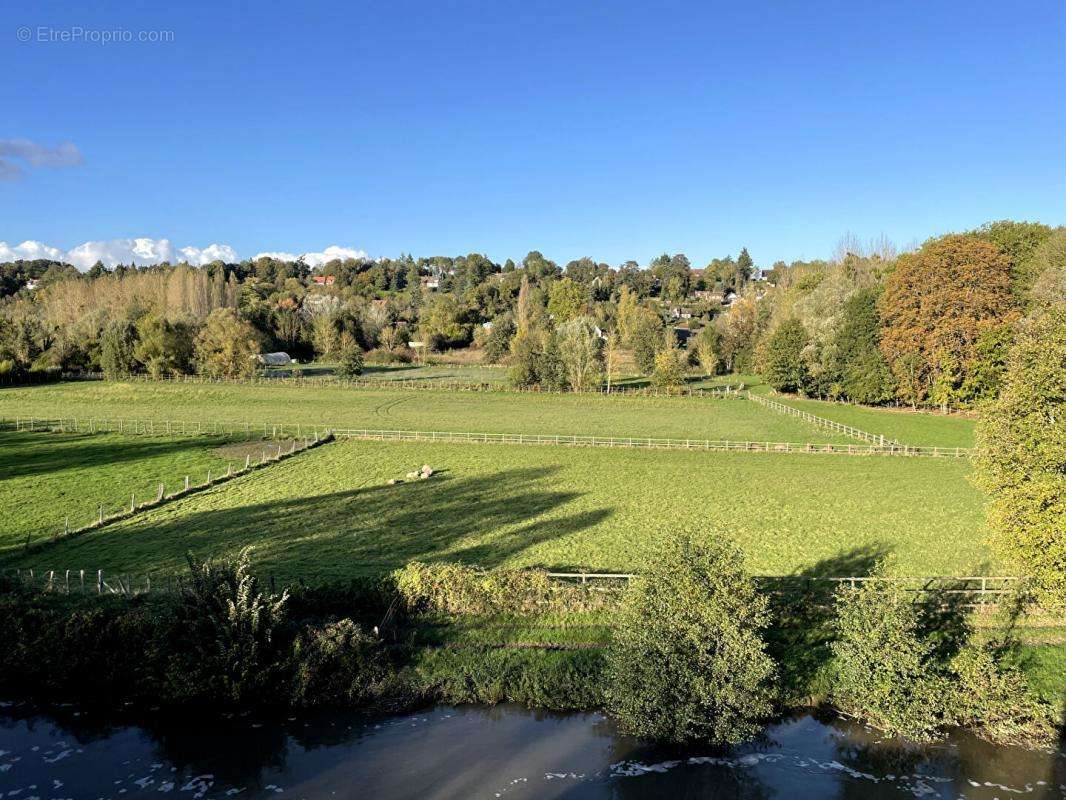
<point x="431" y="283"/>
<point x="31" y="284"/>
<point x="324" y="280"/>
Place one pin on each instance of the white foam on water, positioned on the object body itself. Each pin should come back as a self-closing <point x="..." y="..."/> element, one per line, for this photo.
<point x="916" y="785"/>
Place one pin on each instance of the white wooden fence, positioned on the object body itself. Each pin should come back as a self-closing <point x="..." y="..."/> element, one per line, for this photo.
<point x="977" y="592"/>
<point x="282" y="429"/>
<point x="828" y="424"/>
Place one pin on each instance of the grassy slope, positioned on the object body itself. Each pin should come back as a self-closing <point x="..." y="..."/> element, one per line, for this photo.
<point x="909" y="427"/>
<point x="45" y="477"/>
<point x="1045" y="666"/>
<point x="698" y="418"/>
<point x="330" y="512"/>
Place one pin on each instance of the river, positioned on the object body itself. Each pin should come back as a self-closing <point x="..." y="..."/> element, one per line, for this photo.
<point x="473" y="752"/>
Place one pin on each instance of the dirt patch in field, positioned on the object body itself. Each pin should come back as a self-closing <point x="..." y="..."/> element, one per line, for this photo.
<point x="238" y="451"/>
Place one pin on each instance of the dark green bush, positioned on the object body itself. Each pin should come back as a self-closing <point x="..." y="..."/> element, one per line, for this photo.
<point x="689" y="660"/>
<point x="991" y="697"/>
<point x="337" y="664"/>
<point x="884" y="671"/>
<point x="233" y="632"/>
<point x="913" y="670"/>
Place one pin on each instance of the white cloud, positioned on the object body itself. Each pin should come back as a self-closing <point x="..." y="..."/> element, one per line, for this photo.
<point x="29" y="250"/>
<point x="17" y="154"/>
<point x="139" y="251"/>
<point x="144" y="250"/>
<point x="317" y="259"/>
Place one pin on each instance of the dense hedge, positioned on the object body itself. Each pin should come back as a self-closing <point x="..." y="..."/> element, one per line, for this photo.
<point x="693" y="657"/>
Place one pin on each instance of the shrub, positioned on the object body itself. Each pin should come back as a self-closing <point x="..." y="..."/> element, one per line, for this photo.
<point x="350" y="358"/>
<point x="498" y="340"/>
<point x="337" y="663"/>
<point x="883" y="666"/>
<point x="688" y="661"/>
<point x="459" y="589"/>
<point x="992" y="698"/>
<point x="394" y="355"/>
<point x="233" y="648"/>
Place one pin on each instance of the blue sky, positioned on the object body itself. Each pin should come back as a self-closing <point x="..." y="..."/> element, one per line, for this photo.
<point x="615" y="130"/>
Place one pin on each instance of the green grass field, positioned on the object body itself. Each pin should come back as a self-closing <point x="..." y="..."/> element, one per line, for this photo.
<point x="330" y="513"/>
<point x="733" y="419"/>
<point x="919" y="428"/>
<point x="494" y="374"/>
<point x="46" y="477"/>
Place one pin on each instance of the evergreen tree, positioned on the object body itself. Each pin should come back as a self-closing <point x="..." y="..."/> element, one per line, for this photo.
<point x="745" y="267"/>
<point x="784" y="367"/>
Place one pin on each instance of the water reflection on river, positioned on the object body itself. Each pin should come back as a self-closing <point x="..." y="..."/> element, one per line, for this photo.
<point x="470" y="752"/>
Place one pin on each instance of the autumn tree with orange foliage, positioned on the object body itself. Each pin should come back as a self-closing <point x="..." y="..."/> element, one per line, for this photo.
<point x="936" y="305"/>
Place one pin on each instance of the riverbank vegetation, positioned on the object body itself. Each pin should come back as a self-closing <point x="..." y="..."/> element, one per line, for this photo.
<point x="226" y="641"/>
<point x="969" y="323"/>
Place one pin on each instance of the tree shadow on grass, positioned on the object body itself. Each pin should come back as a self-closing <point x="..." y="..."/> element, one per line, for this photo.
<point x="802" y="612"/>
<point x="41" y="453"/>
<point x="482" y="520"/>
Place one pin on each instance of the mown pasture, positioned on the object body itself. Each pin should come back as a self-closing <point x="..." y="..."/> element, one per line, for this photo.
<point x="916" y="428"/>
<point x="46" y="478"/>
<point x="331" y="513"/>
<point x="732" y="419"/>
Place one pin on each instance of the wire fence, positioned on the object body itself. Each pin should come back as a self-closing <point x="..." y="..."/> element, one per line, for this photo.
<point x="103" y="518"/>
<point x="271" y="430"/>
<point x="974" y="592"/>
<point x="822" y="422"/>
